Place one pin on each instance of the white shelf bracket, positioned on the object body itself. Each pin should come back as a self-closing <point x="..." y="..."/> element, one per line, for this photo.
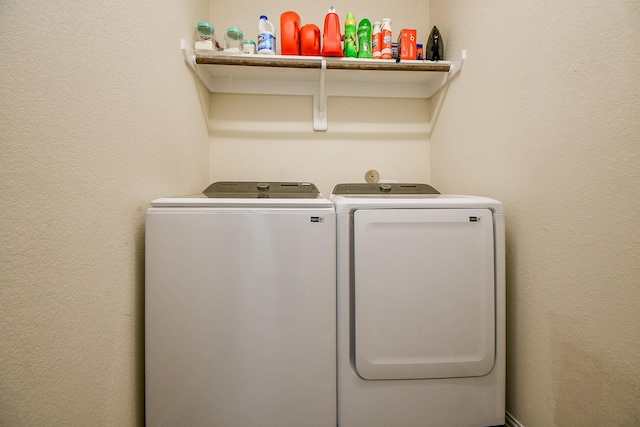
<point x="320" y="102"/>
<point x="456" y="67"/>
<point x="189" y="56"/>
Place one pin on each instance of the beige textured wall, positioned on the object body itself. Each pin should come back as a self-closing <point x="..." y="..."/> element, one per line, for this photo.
<point x="272" y="137"/>
<point x="98" y="115"/>
<point x="546" y="117"/>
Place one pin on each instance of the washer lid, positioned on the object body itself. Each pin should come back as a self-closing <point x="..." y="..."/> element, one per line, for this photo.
<point x="384" y="188"/>
<point x="249" y="194"/>
<point x="262" y="190"/>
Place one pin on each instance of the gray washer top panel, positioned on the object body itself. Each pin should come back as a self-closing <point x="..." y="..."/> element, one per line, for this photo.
<point x="262" y="190"/>
<point x="383" y="188"/>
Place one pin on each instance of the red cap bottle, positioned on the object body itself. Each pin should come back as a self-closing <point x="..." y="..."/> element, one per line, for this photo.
<point x="331" y="38"/>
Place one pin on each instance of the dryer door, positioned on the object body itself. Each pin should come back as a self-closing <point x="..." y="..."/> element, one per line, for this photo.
<point x="424" y="293"/>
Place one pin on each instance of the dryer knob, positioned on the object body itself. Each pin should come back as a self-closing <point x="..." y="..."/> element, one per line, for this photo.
<point x="385" y="188"/>
<point x="263" y="186"/>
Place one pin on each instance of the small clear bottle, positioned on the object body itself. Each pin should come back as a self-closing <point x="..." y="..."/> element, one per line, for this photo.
<point x="233" y="40"/>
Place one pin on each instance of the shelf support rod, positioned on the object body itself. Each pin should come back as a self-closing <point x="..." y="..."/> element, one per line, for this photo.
<point x="320" y="101"/>
<point x="456" y="67"/>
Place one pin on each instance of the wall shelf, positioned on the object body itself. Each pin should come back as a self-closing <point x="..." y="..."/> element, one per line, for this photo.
<point x="319" y="77"/>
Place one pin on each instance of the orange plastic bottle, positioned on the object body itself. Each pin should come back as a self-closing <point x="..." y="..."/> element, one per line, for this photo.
<point x="331" y="38"/>
<point x="290" y="33"/>
<point x="387" y="39"/>
<point x="310" y="40"/>
<point x="376" y="41"/>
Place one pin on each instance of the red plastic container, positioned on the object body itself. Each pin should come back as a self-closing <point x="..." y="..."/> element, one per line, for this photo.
<point x="331" y="38"/>
<point x="310" y="40"/>
<point x="290" y="33"/>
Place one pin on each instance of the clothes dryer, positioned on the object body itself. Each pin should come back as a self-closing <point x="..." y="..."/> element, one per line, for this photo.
<point x="240" y="317"/>
<point x="421" y="307"/>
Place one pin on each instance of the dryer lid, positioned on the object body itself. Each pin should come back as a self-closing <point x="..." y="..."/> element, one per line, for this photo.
<point x="384" y="188"/>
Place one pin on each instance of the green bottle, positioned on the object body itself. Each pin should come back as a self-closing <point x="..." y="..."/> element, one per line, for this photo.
<point x="350" y="49"/>
<point x="364" y="39"/>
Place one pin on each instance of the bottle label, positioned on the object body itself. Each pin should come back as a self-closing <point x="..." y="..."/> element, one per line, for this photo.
<point x="386" y="44"/>
<point x="376" y="45"/>
<point x="266" y="41"/>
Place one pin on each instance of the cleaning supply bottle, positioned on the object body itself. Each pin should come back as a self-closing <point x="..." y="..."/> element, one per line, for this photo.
<point x="350" y="48"/>
<point x="387" y="39"/>
<point x="376" y="41"/>
<point x="310" y="40"/>
<point x="331" y="38"/>
<point x="266" y="37"/>
<point x="290" y="33"/>
<point x="364" y="39"/>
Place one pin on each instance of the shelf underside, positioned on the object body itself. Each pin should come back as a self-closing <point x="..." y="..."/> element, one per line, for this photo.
<point x="319" y="77"/>
<point x="316" y="62"/>
<point x="299" y="75"/>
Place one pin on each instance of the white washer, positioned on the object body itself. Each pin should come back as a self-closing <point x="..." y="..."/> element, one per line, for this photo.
<point x="421" y="307"/>
<point x="240" y="309"/>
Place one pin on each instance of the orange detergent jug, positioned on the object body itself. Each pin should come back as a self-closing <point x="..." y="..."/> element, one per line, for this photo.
<point x="290" y="33"/>
<point x="331" y="38"/>
<point x="310" y="40"/>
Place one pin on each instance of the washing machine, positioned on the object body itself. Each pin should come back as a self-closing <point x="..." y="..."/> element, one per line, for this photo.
<point x="421" y="307"/>
<point x="240" y="307"/>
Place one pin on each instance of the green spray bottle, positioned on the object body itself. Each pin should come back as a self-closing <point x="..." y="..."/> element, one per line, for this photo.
<point x="350" y="48"/>
<point x="364" y="39"/>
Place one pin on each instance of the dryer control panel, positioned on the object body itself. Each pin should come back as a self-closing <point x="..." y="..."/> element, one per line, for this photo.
<point x="384" y="188"/>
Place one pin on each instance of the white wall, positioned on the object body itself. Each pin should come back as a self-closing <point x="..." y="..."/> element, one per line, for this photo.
<point x="272" y="137"/>
<point x="545" y="116"/>
<point x="98" y="115"/>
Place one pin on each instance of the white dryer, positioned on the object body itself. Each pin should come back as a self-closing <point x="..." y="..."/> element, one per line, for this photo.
<point x="421" y="307"/>
<point x="240" y="310"/>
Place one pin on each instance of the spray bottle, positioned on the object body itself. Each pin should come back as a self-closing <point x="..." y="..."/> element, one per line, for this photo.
<point x="387" y="39"/>
<point x="376" y="41"/>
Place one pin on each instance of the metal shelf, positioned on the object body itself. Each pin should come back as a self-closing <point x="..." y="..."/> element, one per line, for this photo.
<point x="319" y="77"/>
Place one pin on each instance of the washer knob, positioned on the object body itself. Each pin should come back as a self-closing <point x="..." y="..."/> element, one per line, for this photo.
<point x="263" y="186"/>
<point x="385" y="188"/>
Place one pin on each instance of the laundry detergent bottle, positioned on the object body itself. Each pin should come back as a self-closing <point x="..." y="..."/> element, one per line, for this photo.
<point x="364" y="39"/>
<point x="290" y="33"/>
<point x="331" y="38"/>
